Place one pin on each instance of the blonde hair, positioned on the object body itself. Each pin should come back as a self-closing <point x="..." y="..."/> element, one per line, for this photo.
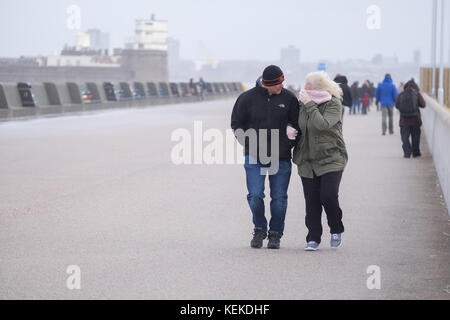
<point x="321" y="81"/>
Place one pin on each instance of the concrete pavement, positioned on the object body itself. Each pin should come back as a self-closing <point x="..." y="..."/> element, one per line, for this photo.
<point x="99" y="191"/>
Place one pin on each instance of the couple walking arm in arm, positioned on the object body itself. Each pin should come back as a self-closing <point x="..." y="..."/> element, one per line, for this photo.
<point x="313" y="126"/>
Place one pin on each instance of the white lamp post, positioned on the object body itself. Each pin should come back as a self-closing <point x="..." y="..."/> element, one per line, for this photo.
<point x="441" y="68"/>
<point x="433" y="46"/>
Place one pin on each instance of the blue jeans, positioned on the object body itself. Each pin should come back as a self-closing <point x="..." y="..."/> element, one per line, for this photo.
<point x="356" y="105"/>
<point x="279" y="184"/>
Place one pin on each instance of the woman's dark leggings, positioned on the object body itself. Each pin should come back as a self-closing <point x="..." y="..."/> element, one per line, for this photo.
<point x="322" y="192"/>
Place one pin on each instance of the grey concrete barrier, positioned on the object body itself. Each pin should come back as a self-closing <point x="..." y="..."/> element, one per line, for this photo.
<point x="91" y="96"/>
<point x="124" y="94"/>
<point x="186" y="92"/>
<point x="151" y="90"/>
<point x="184" y="89"/>
<point x="14" y="103"/>
<point x="74" y="93"/>
<point x="106" y="102"/>
<point x="109" y="90"/>
<point x="40" y="94"/>
<point x="3" y="100"/>
<point x="66" y="100"/>
<point x="436" y="123"/>
<point x="92" y="87"/>
<point x="50" y="98"/>
<point x="163" y="90"/>
<point x="138" y="91"/>
<point x="47" y="98"/>
<point x="63" y="92"/>
<point x="52" y="94"/>
<point x="174" y="90"/>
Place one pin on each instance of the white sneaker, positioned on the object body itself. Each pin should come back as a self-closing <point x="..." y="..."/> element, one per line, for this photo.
<point x="336" y="240"/>
<point x="312" y="246"/>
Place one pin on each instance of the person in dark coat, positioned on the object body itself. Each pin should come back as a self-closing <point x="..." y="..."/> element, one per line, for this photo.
<point x="347" y="94"/>
<point x="271" y="113"/>
<point x="356" y="95"/>
<point x="410" y="126"/>
<point x="372" y="92"/>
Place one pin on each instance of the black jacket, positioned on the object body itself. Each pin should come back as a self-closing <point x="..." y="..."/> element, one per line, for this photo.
<point x="256" y="109"/>
<point x="356" y="91"/>
<point x="347" y="97"/>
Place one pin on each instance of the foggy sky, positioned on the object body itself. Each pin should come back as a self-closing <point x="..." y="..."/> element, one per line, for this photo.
<point x="233" y="29"/>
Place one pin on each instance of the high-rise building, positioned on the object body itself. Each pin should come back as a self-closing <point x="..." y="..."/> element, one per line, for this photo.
<point x="290" y="62"/>
<point x="290" y="56"/>
<point x="173" y="51"/>
<point x="98" y="40"/>
<point x="417" y="57"/>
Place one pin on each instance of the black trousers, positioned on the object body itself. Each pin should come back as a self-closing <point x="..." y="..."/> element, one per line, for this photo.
<point x="322" y="192"/>
<point x="412" y="146"/>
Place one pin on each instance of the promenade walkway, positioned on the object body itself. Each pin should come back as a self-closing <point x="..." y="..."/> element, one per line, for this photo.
<point x="99" y="191"/>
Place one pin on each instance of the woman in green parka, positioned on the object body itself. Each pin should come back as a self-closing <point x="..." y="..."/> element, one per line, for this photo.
<point x="321" y="156"/>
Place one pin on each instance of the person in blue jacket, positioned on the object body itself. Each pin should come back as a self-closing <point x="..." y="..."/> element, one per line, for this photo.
<point x="386" y="94"/>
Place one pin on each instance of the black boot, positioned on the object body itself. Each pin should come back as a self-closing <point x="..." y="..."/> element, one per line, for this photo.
<point x="258" y="236"/>
<point x="274" y="240"/>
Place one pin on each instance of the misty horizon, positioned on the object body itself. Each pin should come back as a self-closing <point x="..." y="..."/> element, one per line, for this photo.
<point x="337" y="31"/>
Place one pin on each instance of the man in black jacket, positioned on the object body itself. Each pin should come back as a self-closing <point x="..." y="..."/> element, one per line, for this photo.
<point x="262" y="119"/>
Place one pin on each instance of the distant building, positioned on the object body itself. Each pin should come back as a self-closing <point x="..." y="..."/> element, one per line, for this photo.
<point x="290" y="56"/>
<point x="144" y="59"/>
<point x="417" y="57"/>
<point x="173" y="46"/>
<point x="90" y="50"/>
<point x="98" y="40"/>
<point x="150" y="35"/>
<point x="290" y="59"/>
<point x="179" y="69"/>
<point x="83" y="61"/>
<point x="380" y="59"/>
<point x="82" y="41"/>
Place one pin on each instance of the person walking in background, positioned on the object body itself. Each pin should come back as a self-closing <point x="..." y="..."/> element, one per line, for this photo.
<point x="203" y="88"/>
<point x="408" y="103"/>
<point x="386" y="94"/>
<point x="258" y="82"/>
<point x="321" y="156"/>
<point x="347" y="93"/>
<point x="400" y="88"/>
<point x="371" y="92"/>
<point x="192" y="87"/>
<point x="356" y="95"/>
<point x="266" y="107"/>
<point x="365" y="99"/>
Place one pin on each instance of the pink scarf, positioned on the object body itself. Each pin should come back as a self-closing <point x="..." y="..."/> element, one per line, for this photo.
<point x="318" y="96"/>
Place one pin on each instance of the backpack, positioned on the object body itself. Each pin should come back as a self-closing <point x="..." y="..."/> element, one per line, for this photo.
<point x="409" y="103"/>
<point x="365" y="100"/>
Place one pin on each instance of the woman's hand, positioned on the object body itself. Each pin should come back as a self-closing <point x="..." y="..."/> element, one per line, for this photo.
<point x="304" y="97"/>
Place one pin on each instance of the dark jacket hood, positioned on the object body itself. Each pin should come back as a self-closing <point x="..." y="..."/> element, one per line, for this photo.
<point x="411" y="84"/>
<point x="341" y="79"/>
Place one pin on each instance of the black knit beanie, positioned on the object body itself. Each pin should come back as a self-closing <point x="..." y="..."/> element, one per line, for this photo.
<point x="272" y="76"/>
